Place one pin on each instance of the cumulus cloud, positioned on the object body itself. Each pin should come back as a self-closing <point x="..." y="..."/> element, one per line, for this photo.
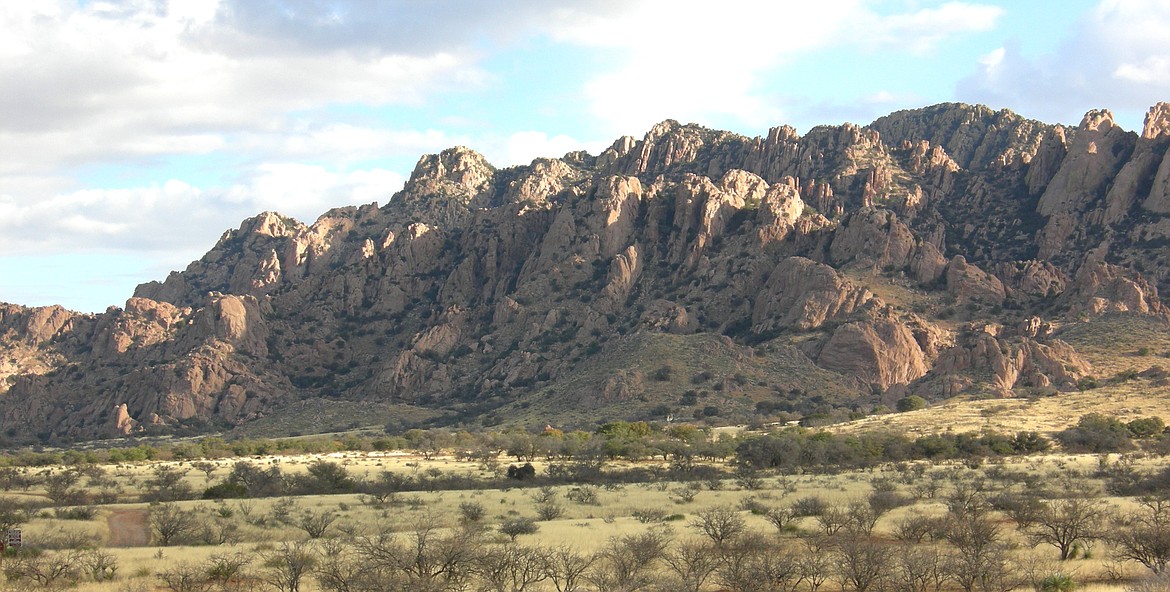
<point x="81" y="86"/>
<point x="1117" y="57"/>
<point x="176" y="214"/>
<point x="138" y="84"/>
<point x="700" y="59"/>
<point x="695" y="59"/>
<point x="305" y="191"/>
<point x="523" y="147"/>
<point x="923" y="30"/>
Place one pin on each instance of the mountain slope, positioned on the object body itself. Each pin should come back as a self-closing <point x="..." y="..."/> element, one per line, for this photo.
<point x="938" y="251"/>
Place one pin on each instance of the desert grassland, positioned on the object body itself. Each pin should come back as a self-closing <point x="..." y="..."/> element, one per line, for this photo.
<point x="587" y="528"/>
<point x="1119" y="349"/>
<point x="1010" y="415"/>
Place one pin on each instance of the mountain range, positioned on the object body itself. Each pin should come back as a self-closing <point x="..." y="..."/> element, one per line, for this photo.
<point x="690" y="274"/>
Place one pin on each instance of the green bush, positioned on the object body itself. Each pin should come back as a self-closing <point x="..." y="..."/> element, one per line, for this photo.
<point x="1058" y="582"/>
<point x="911" y="403"/>
<point x="225" y="490"/>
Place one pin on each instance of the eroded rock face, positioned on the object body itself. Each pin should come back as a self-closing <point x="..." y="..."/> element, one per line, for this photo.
<point x="1133" y="183"/>
<point x="878" y="353"/>
<point x="1023" y="360"/>
<point x="1157" y="124"/>
<point x="1102" y="288"/>
<point x="803" y="294"/>
<point x="873" y="238"/>
<point x="124" y="425"/>
<point x="968" y="283"/>
<point x="477" y="283"/>
<point x="669" y="317"/>
<point x="36" y="325"/>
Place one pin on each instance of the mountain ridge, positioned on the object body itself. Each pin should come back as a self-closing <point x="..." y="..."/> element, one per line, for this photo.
<point x="936" y="251"/>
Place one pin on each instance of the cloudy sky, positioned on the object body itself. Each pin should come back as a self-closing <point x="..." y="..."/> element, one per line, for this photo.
<point x="133" y="133"/>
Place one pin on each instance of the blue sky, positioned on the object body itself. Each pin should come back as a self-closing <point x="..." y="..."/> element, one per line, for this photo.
<point x="133" y="133"/>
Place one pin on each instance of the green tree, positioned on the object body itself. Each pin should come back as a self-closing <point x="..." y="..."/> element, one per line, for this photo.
<point x="910" y="403"/>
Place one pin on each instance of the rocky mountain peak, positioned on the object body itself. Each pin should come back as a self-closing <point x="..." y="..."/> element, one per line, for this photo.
<point x="459" y="167"/>
<point x="1097" y="120"/>
<point x="938" y="251"/>
<point x="1157" y="122"/>
<point x="271" y="224"/>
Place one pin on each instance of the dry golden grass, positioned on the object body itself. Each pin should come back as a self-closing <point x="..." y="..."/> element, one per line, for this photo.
<point x="584" y="527"/>
<point x="1043" y="414"/>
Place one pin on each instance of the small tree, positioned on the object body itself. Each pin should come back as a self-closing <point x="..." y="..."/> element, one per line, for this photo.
<point x="1067" y="522"/>
<point x="287" y="565"/>
<point x="861" y="565"/>
<point x="550" y="510"/>
<point x="910" y="403"/>
<point x="721" y="524"/>
<point x="186" y="577"/>
<point x="385" y="487"/>
<point x="471" y="511"/>
<point x="1144" y="536"/>
<point x="692" y="563"/>
<point x="169" y="523"/>
<point x="525" y="471"/>
<point x="223" y="569"/>
<point x="980" y="561"/>
<point x="47" y="571"/>
<point x="205" y="467"/>
<point x="566" y="568"/>
<point x="324" y="476"/>
<point x="59" y="487"/>
<point x="315" y="524"/>
<point x="781" y="517"/>
<point x="166" y="484"/>
<point x="12" y="513"/>
<point x="918" y="569"/>
<point x="518" y="526"/>
<point x="626" y="563"/>
<point x="512" y="568"/>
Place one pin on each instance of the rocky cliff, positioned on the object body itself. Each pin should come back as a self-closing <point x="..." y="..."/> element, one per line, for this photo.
<point x="750" y="272"/>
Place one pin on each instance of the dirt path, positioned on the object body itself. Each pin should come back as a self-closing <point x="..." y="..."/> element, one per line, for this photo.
<point x="129" y="528"/>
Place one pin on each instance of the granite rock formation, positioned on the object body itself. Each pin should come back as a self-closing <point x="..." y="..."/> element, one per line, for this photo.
<point x="477" y="288"/>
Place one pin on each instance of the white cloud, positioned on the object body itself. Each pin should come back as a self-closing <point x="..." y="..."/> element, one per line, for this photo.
<point x="141" y="84"/>
<point x="993" y="59"/>
<point x="923" y="30"/>
<point x="148" y="218"/>
<point x="1152" y="70"/>
<point x="1117" y="57"/>
<point x="305" y="191"/>
<point x="82" y="86"/>
<point x="342" y="143"/>
<point x="522" y="148"/>
<point x="89" y="248"/>
<point x="696" y="59"/>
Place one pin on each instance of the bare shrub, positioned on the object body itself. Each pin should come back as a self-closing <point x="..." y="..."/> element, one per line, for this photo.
<point x="170" y="524"/>
<point x="185" y="577"/>
<point x="691" y="564"/>
<point x="286" y="566"/>
<point x="566" y="568"/>
<point x="627" y="562"/>
<point x="648" y="515"/>
<point x="511" y="568"/>
<point x="721" y="524"/>
<point x="44" y="570"/>
<point x="471" y="511"/>
<point x="316" y="524"/>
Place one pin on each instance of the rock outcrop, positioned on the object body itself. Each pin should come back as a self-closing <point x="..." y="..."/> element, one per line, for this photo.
<point x="804" y="294"/>
<point x="751" y="267"/>
<point x="1027" y="359"/>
